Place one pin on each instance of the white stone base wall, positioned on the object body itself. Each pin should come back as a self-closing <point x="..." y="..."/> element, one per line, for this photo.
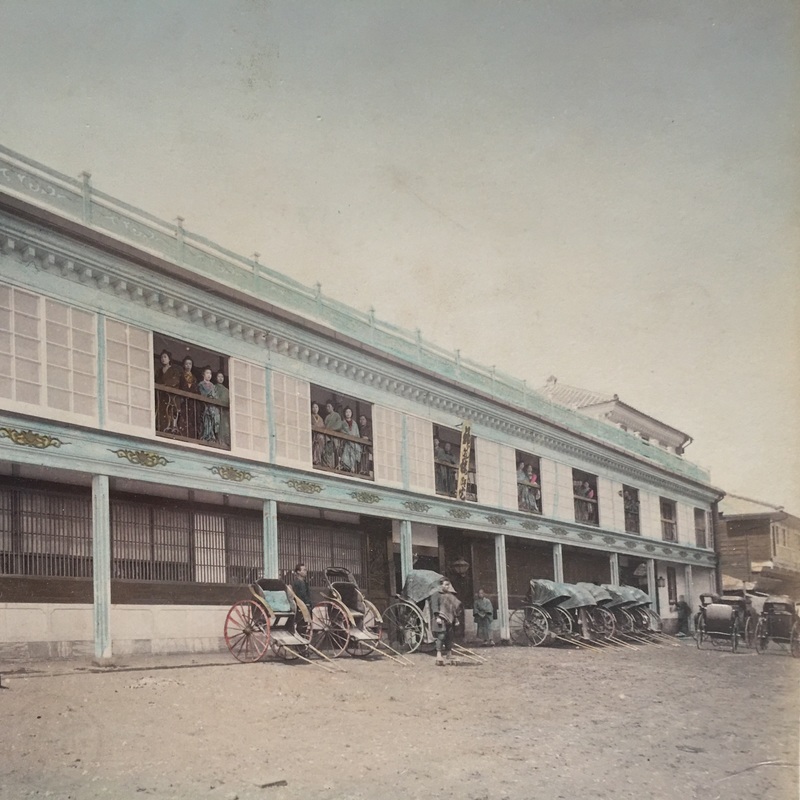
<point x="43" y="631"/>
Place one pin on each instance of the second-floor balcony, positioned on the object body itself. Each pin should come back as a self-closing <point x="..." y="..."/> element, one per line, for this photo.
<point x="190" y="417"/>
<point x="335" y="451"/>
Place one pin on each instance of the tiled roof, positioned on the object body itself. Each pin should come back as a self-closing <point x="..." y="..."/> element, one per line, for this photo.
<point x="572" y="396"/>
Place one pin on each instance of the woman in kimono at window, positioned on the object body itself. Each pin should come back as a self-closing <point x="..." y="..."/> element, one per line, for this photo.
<point x="351" y="452"/>
<point x="167" y="407"/>
<point x="188" y="424"/>
<point x="366" y="452"/>
<point x="317" y="439"/>
<point x="534" y="494"/>
<point x="333" y="422"/>
<point x="209" y="430"/>
<point x="223" y="396"/>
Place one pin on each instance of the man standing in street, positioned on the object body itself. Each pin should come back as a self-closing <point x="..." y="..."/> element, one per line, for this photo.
<point x="684" y="612"/>
<point x="300" y="584"/>
<point x="445" y="608"/>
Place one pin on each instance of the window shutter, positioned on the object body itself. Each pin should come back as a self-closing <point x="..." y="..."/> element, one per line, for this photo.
<point x="291" y="399"/>
<point x="387" y="431"/>
<point x="129" y="378"/>
<point x="419" y="446"/>
<point x="20" y="347"/>
<point x="487" y="464"/>
<point x="248" y="396"/>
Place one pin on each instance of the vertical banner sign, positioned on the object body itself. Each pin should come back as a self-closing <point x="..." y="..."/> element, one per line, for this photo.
<point x="463" y="460"/>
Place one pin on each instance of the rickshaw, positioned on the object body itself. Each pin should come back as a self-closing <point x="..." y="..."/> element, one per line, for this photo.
<point x="602" y="620"/>
<point x="543" y="619"/>
<point x="718" y="623"/>
<point x="633" y="618"/>
<point x="407" y="620"/>
<point x="344" y="620"/>
<point x="274" y="617"/>
<point x="778" y="623"/>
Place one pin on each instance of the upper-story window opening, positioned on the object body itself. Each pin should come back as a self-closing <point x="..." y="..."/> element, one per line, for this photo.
<point x="669" y="520"/>
<point x="341" y="434"/>
<point x="630" y="503"/>
<point x="584" y="490"/>
<point x="192" y="393"/>
<point x="446" y="457"/>
<point x="700" y="529"/>
<point x="529" y="483"/>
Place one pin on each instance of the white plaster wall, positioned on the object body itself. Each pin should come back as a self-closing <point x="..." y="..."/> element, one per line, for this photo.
<point x="686" y="524"/>
<point x="549" y="486"/>
<point x="605" y="504"/>
<point x="28" y="629"/>
<point x="617" y="506"/>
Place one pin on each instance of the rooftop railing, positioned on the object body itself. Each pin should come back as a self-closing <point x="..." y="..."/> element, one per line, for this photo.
<point x="79" y="200"/>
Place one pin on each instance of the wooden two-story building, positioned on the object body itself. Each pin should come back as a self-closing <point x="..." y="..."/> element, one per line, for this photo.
<point x="176" y="419"/>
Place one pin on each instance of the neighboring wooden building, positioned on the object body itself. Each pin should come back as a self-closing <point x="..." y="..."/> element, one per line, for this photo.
<point x="759" y="543"/>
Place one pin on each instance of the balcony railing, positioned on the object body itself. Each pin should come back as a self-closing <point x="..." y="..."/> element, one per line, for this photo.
<point x="586" y="510"/>
<point x="446" y="475"/>
<point x="190" y="417"/>
<point x="529" y="497"/>
<point x="335" y="451"/>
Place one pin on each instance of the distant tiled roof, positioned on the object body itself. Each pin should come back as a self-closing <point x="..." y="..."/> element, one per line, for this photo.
<point x="572" y="396"/>
<point x="734" y="504"/>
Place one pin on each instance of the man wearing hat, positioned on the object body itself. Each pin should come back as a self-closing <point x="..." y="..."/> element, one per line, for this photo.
<point x="445" y="610"/>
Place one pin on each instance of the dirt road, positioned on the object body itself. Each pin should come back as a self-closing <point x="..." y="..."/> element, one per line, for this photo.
<point x="660" y="722"/>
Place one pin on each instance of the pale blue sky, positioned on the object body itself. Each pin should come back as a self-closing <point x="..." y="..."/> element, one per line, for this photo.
<point x="604" y="191"/>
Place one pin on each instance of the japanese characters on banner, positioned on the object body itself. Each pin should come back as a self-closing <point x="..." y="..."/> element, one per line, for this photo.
<point x="463" y="461"/>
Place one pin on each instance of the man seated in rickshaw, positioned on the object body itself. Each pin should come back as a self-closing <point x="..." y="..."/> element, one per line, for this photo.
<point x="445" y="608"/>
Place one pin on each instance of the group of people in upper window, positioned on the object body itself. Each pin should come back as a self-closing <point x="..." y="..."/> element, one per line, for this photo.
<point x="334" y="438"/>
<point x="445" y="462"/>
<point x="529" y="494"/>
<point x="205" y="418"/>
<point x="585" y="502"/>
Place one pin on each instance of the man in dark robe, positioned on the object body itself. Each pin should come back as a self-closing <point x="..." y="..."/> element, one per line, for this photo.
<point x="445" y="610"/>
<point x="300" y="584"/>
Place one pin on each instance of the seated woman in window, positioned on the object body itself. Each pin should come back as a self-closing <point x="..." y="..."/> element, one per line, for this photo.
<point x="534" y="494"/>
<point x="522" y="487"/>
<point x="351" y="452"/>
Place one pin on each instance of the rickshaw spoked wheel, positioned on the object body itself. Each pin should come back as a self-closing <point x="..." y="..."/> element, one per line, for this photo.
<point x="528" y="626"/>
<point x="247" y="631"/>
<point x="330" y="628"/>
<point x="761" y="638"/>
<point x="794" y="640"/>
<point x="562" y="621"/>
<point x="602" y="621"/>
<point x="749" y="632"/>
<point x="403" y="627"/>
<point x="371" y="624"/>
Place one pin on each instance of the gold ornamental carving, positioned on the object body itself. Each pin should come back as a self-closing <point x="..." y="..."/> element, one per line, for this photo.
<point x="306" y="487"/>
<point x="459" y="513"/>
<point x="416" y="505"/>
<point x="496" y="519"/>
<point x="365" y="497"/>
<point x="232" y="474"/>
<point x="40" y="441"/>
<point x="142" y="458"/>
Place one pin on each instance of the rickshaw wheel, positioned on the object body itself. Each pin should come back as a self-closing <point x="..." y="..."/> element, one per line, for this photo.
<point x="403" y="627"/>
<point x="749" y="632"/>
<point x="655" y="621"/>
<point x="761" y="637"/>
<point x="372" y="624"/>
<point x="562" y="621"/>
<point x="247" y="631"/>
<point x="603" y="622"/>
<point x="330" y="628"/>
<point x="794" y="640"/>
<point x="628" y="625"/>
<point x="528" y="626"/>
<point x="735" y="635"/>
